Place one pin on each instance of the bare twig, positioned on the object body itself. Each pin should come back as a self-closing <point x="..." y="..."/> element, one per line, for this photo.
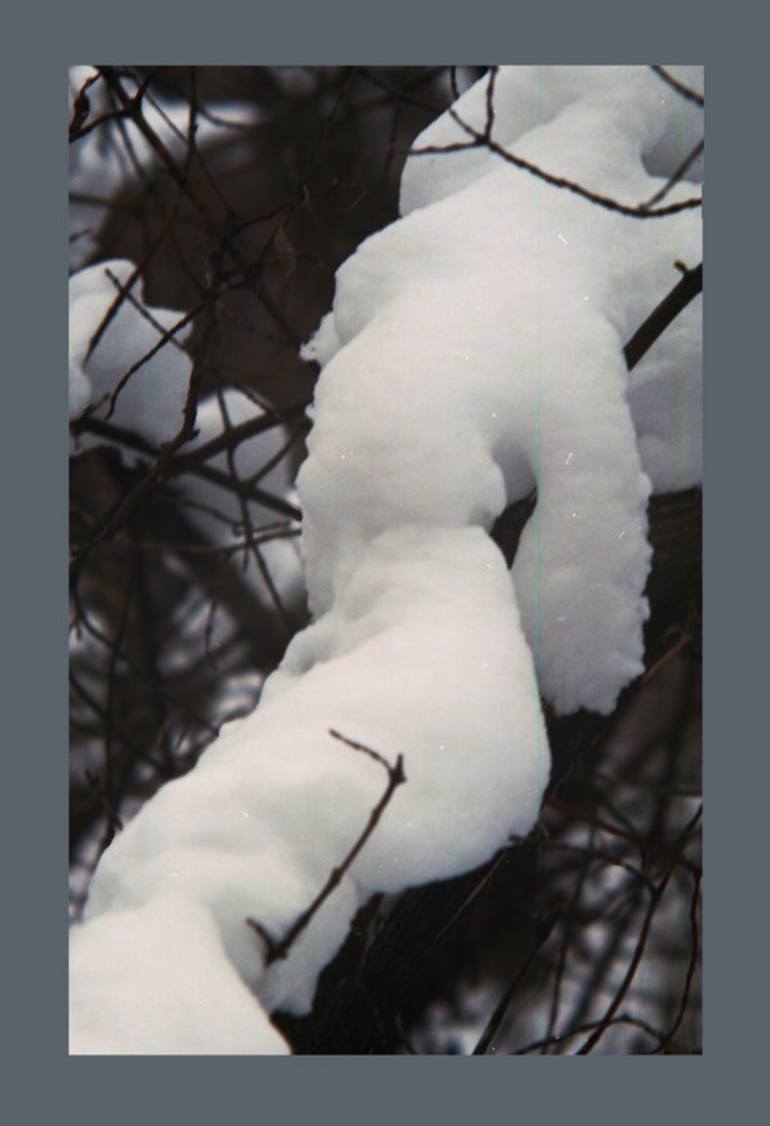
<point x="279" y="948"/>
<point x="691" y="965"/>
<point x="493" y="1025"/>
<point x="675" y="84"/>
<point x="677" y="175"/>
<point x="552" y="1041"/>
<point x="685" y="291"/>
<point x="633" y="965"/>
<point x="481" y="140"/>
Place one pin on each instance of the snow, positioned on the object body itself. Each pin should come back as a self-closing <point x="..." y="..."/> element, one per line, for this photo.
<point x="623" y="132"/>
<point x="528" y="97"/>
<point x="474" y="348"/>
<point x="666" y="400"/>
<point x="485" y="329"/>
<point x="151" y="404"/>
<point x="152" y="401"/>
<point x="168" y="948"/>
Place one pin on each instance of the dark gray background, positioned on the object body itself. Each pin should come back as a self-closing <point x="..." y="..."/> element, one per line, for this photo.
<point x="41" y="1082"/>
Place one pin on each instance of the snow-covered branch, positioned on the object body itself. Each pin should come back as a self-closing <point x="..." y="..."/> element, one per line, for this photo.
<point x="477" y="349"/>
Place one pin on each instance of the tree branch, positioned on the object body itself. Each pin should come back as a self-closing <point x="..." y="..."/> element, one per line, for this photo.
<point x="275" y="949"/>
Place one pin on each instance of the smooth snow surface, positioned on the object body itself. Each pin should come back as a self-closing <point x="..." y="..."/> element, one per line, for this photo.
<point x="474" y="349"/>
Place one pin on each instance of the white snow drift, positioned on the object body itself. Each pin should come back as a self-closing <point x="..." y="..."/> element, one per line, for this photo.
<point x="474" y="349"/>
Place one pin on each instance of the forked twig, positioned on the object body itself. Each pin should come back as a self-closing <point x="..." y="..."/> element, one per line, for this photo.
<point x="279" y="948"/>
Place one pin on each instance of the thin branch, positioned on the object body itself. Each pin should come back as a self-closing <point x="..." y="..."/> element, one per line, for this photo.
<point x="293" y="414"/>
<point x="178" y="466"/>
<point x="474" y="893"/>
<point x="252" y="547"/>
<point x="685" y="291"/>
<point x="111" y="520"/>
<point x="481" y="140"/>
<point x="275" y="949"/>
<point x="651" y="845"/>
<point x="633" y="965"/>
<point x="686" y="91"/>
<point x="81" y="108"/>
<point x="678" y="174"/>
<point x="561" y="965"/>
<point x="362" y="748"/>
<point x="493" y="1025"/>
<point x="550" y="1041"/>
<point x="691" y="966"/>
<point x="490" y="102"/>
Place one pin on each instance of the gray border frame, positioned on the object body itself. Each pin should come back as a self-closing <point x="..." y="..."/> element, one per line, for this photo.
<point x="41" y="1080"/>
